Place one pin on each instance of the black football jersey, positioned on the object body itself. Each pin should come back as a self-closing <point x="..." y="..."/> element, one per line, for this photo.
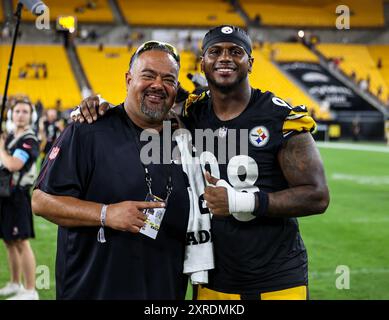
<point x="262" y="254"/>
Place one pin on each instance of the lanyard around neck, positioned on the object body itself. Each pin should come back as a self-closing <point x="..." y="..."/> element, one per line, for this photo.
<point x="148" y="179"/>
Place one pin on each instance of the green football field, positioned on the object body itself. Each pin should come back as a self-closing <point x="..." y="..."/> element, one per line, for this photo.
<point x="353" y="235"/>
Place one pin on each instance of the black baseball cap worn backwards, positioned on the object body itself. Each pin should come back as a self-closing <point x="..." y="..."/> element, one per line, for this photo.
<point x="227" y="33"/>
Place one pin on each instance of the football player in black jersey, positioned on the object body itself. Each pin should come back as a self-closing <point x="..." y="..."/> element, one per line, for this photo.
<point x="259" y="253"/>
<point x="255" y="197"/>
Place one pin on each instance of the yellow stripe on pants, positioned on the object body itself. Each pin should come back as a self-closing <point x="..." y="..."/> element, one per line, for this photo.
<point x="295" y="293"/>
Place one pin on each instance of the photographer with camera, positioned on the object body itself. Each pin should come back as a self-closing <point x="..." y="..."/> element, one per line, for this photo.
<point x="18" y="153"/>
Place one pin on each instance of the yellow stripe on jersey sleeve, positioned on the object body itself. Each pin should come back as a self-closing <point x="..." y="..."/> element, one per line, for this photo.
<point x="298" y="120"/>
<point x="192" y="98"/>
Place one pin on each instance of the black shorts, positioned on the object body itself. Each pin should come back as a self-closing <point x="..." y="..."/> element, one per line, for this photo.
<point x="16" y="216"/>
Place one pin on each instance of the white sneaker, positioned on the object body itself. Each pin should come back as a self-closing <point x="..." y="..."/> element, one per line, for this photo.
<point x="10" y="288"/>
<point x="25" y="295"/>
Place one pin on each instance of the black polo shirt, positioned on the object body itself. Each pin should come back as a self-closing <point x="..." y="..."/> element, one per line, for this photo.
<point x="101" y="163"/>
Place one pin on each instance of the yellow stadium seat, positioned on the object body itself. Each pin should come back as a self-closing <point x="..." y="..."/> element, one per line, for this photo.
<point x="203" y="13"/>
<point x="267" y="77"/>
<point x="102" y="12"/>
<point x="188" y="65"/>
<point x="59" y="84"/>
<point x="381" y="52"/>
<point x="314" y="13"/>
<point x="293" y="52"/>
<point x="106" y="70"/>
<point x="358" y="58"/>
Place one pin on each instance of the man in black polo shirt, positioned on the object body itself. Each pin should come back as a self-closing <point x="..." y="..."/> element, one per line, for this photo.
<point x="96" y="174"/>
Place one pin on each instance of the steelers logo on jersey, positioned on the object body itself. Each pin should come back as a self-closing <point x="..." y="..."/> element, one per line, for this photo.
<point x="259" y="136"/>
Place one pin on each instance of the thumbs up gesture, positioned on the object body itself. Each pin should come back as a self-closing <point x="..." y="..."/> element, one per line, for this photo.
<point x="216" y="196"/>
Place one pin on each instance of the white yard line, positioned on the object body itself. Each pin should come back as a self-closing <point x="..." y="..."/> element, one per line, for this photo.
<point x="352" y="146"/>
<point x="375" y="220"/>
<point x="365" y="180"/>
<point x="318" y="274"/>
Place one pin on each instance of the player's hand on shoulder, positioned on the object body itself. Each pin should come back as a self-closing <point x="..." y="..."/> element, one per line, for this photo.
<point x="89" y="110"/>
<point x="128" y="215"/>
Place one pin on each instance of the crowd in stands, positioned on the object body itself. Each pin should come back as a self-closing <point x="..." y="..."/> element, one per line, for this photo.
<point x="89" y="5"/>
<point x="363" y="83"/>
<point x="33" y="70"/>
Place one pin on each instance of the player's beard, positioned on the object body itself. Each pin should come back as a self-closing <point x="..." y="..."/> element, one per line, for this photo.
<point x="153" y="113"/>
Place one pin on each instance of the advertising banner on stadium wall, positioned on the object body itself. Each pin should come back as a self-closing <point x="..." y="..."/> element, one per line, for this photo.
<point x="325" y="88"/>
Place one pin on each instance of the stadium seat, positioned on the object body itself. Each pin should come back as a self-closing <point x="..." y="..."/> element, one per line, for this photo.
<point x="202" y="13"/>
<point x="59" y="84"/>
<point x="357" y="58"/>
<point x="188" y="65"/>
<point x="101" y="13"/>
<point x="268" y="77"/>
<point x="381" y="52"/>
<point x="286" y="52"/>
<point x="313" y="13"/>
<point x="106" y="70"/>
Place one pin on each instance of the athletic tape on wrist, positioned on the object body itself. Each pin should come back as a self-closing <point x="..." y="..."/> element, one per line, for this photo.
<point x="240" y="204"/>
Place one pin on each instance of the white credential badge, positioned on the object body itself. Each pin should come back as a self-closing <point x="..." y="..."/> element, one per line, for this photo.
<point x="154" y="218"/>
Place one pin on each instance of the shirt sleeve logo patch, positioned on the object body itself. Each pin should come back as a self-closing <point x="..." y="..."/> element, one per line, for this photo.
<point x="259" y="136"/>
<point x="54" y="153"/>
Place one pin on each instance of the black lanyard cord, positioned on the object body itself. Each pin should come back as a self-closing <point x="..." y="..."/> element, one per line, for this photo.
<point x="148" y="179"/>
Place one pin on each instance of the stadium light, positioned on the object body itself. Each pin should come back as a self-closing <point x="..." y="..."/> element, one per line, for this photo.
<point x="67" y="23"/>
